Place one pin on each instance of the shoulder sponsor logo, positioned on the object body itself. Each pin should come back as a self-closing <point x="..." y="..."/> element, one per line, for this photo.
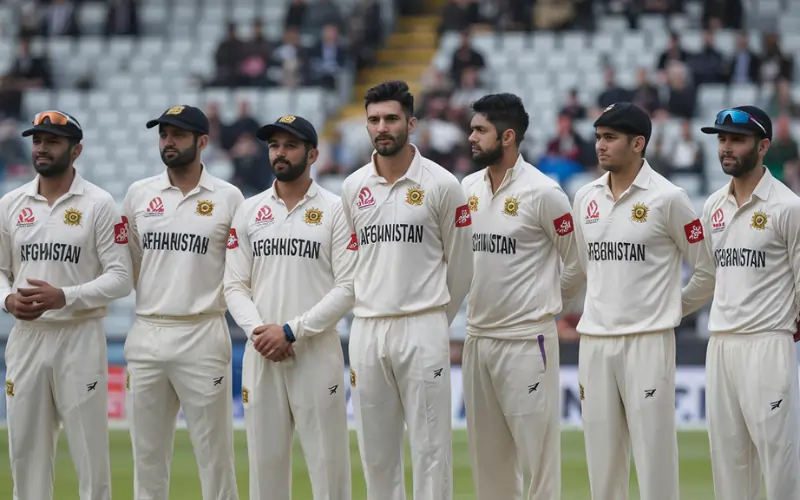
<point x="233" y="239"/>
<point x="592" y="212"/>
<point x="694" y="231"/>
<point x="121" y="232"/>
<point x="463" y="216"/>
<point x="564" y="224"/>
<point x="365" y="198"/>
<point x="353" y="245"/>
<point x="26" y="218"/>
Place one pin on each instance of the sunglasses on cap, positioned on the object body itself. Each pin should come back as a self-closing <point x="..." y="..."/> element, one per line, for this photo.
<point x="738" y="117"/>
<point x="53" y="118"/>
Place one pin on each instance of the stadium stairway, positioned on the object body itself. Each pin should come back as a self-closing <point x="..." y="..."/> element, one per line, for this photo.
<point x="406" y="56"/>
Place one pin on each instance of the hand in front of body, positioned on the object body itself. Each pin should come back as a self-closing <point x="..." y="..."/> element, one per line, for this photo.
<point x="30" y="303"/>
<point x="270" y="341"/>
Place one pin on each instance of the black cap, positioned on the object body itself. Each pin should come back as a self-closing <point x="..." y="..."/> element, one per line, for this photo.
<point x="184" y="117"/>
<point x="295" y="125"/>
<point x="626" y="117"/>
<point x="48" y="121"/>
<point x="753" y="126"/>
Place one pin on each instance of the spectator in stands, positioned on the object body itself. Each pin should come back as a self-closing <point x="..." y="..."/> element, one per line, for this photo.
<point x="783" y="153"/>
<point x="774" y="64"/>
<point x="328" y="58"/>
<point x="27" y="72"/>
<point x="60" y="19"/>
<point x="745" y="65"/>
<point x="465" y="57"/>
<point x="613" y="92"/>
<point x="708" y="65"/>
<point x="295" y="14"/>
<point x="682" y="100"/>
<point x="468" y="91"/>
<point x="514" y="14"/>
<point x="255" y="56"/>
<point x="30" y="19"/>
<point x="251" y="173"/>
<point x="568" y="153"/>
<point x="366" y="32"/>
<point x="674" y="52"/>
<point x="554" y="14"/>
<point x="459" y="15"/>
<point x="722" y="14"/>
<point x="122" y="18"/>
<point x="645" y="95"/>
<point x="437" y="136"/>
<point x="14" y="153"/>
<point x="228" y="56"/>
<point x="323" y="12"/>
<point x="781" y="101"/>
<point x="683" y="155"/>
<point x="573" y="107"/>
<point x="289" y="60"/>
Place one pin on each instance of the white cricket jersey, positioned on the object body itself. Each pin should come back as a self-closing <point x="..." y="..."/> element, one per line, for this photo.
<point x="757" y="256"/>
<point x="633" y="251"/>
<point x="79" y="245"/>
<point x="292" y="267"/>
<point x="178" y="244"/>
<point x="521" y="234"/>
<point x="414" y="240"/>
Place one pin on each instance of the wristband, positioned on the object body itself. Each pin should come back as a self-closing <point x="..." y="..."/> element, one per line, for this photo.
<point x="289" y="334"/>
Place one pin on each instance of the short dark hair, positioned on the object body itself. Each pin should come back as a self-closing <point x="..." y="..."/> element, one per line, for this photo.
<point x="393" y="90"/>
<point x="504" y="111"/>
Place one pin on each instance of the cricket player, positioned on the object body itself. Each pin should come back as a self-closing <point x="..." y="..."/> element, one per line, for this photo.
<point x="636" y="228"/>
<point x="178" y="350"/>
<point x="288" y="281"/>
<point x="523" y="230"/>
<point x="412" y="225"/>
<point x="752" y="393"/>
<point x="63" y="258"/>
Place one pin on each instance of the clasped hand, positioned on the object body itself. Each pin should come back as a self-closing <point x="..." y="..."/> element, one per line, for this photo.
<point x="270" y="341"/>
<point x="30" y="303"/>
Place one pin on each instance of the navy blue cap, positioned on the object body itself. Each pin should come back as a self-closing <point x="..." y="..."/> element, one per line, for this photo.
<point x="755" y="121"/>
<point x="184" y="117"/>
<point x="295" y="125"/>
<point x="626" y="117"/>
<point x="55" y="122"/>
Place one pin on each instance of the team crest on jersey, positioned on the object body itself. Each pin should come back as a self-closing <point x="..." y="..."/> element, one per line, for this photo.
<point x="639" y="212"/>
<point x="10" y="388"/>
<point x="759" y="221"/>
<point x="245" y="395"/>
<point x="414" y="196"/>
<point x="72" y="217"/>
<point x="352" y="378"/>
<point x="313" y="217"/>
<point x="205" y="208"/>
<point x="473" y="203"/>
<point x="511" y="206"/>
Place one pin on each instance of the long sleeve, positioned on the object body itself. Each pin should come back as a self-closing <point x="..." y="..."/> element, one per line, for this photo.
<point x="559" y="224"/>
<point x="455" y="222"/>
<point x="689" y="234"/>
<point x="340" y="299"/>
<point x="115" y="280"/>
<point x="134" y="239"/>
<point x="791" y="230"/>
<point x="238" y="275"/>
<point x="6" y="272"/>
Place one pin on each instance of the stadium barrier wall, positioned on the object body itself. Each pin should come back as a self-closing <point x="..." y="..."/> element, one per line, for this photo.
<point x="689" y="398"/>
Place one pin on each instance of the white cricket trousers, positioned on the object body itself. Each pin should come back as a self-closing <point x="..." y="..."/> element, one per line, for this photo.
<point x="307" y="392"/>
<point x="180" y="363"/>
<point x="57" y="373"/>
<point x="627" y="390"/>
<point x="401" y="373"/>
<point x="511" y="392"/>
<point x="753" y="416"/>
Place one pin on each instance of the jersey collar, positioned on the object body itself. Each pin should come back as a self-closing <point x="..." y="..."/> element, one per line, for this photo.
<point x="206" y="181"/>
<point x="511" y="174"/>
<point x="762" y="189"/>
<point x="641" y="181"/>
<point x="313" y="190"/>
<point x="414" y="172"/>
<point x="78" y="186"/>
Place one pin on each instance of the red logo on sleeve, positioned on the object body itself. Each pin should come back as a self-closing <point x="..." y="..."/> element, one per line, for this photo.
<point x="463" y="217"/>
<point x="694" y="231"/>
<point x="233" y="240"/>
<point x="353" y="245"/>
<point x="121" y="232"/>
<point x="564" y="224"/>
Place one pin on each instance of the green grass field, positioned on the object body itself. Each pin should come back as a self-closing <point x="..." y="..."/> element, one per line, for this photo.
<point x="695" y="469"/>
